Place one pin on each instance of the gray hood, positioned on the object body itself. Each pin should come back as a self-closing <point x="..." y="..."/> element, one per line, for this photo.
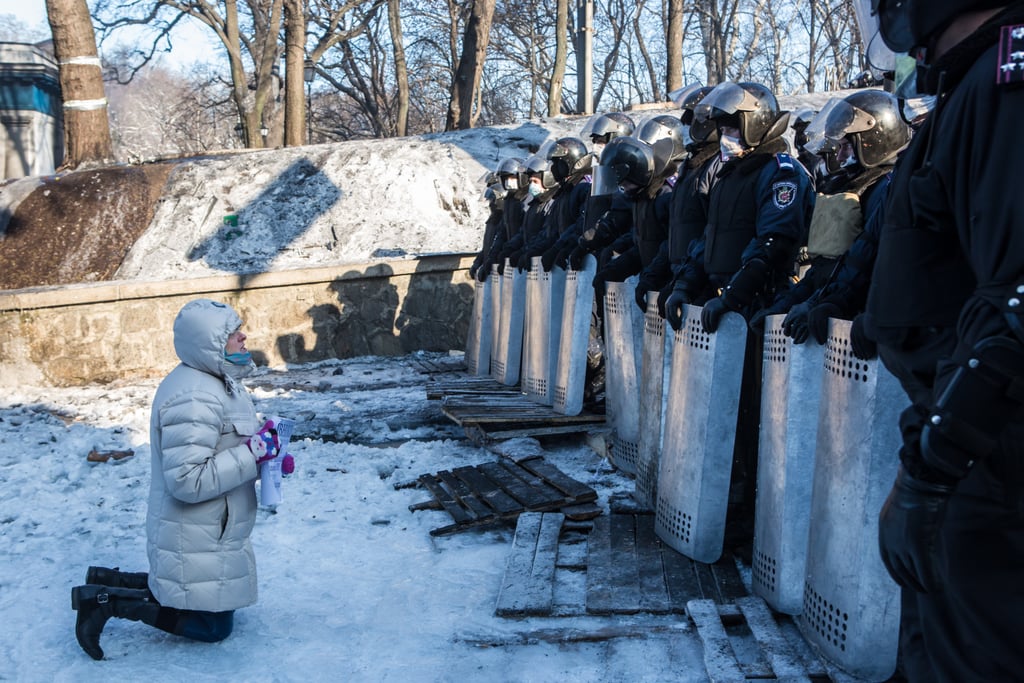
<point x="201" y="331"/>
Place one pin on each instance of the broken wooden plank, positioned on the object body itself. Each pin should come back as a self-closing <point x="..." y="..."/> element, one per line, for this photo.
<point x="680" y="578"/>
<point x="576" y="490"/>
<point x="528" y="585"/>
<point x="653" y="589"/>
<point x="464" y="495"/>
<point x="719" y="659"/>
<point x="780" y="656"/>
<point x="613" y="580"/>
<point x="527" y="496"/>
<point x="487" y="490"/>
<point x="451" y="506"/>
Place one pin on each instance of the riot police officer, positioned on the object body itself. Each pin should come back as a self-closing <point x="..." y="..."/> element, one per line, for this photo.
<point x="945" y="308"/>
<point x="758" y="213"/>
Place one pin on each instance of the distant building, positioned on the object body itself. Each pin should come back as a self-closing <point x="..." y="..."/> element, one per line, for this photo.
<point x="31" y="122"/>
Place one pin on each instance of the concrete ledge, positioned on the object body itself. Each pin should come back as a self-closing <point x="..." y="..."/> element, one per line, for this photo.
<point x="66" y="336"/>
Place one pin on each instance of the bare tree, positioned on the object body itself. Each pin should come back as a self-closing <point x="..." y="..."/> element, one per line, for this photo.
<point x="86" y="128"/>
<point x="401" y="69"/>
<point x="294" y="67"/>
<point x="561" y="57"/>
<point x="466" y="83"/>
<point x="674" y="46"/>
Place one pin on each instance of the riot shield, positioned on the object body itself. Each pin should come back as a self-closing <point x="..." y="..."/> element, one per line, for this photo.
<point x="603" y="186"/>
<point x="544" y="292"/>
<point x="700" y="431"/>
<point x="507" y="364"/>
<point x="623" y="343"/>
<point x="851" y="607"/>
<point x="790" y="395"/>
<point x="654" y="366"/>
<point x="571" y="369"/>
<point x="496" y="281"/>
<point x="478" y="341"/>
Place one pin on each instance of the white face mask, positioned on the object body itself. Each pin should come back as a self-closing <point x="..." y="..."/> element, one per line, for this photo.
<point x="730" y="147"/>
<point x="511" y="184"/>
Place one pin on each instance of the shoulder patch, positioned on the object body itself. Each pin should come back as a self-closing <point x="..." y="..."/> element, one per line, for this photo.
<point x="783" y="194"/>
<point x="784" y="161"/>
<point x="1010" y="64"/>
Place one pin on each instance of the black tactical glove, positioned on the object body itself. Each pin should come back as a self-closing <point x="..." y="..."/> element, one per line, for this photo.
<point x="908" y="529"/>
<point x="674" y="305"/>
<point x="663" y="296"/>
<point x="863" y="346"/>
<point x="711" y="314"/>
<point x="562" y="260"/>
<point x="817" y="320"/>
<point x="525" y="261"/>
<point x="550" y="257"/>
<point x="472" y="271"/>
<point x="640" y="294"/>
<point x="576" y="257"/>
<point x="484" y="271"/>
<point x="794" y="325"/>
<point x="757" y="321"/>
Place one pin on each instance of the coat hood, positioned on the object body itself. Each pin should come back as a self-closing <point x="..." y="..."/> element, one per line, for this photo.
<point x="201" y="331"/>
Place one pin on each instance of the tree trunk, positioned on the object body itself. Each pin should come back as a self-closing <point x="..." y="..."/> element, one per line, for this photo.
<point x="401" y="70"/>
<point x="561" y="55"/>
<point x="86" y="127"/>
<point x="295" y="133"/>
<point x="471" y="64"/>
<point x="674" y="46"/>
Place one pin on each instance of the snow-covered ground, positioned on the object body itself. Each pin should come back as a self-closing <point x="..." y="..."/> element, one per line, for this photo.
<point x="352" y="585"/>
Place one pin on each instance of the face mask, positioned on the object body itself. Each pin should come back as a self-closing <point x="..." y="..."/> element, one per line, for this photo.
<point x="916" y="107"/>
<point x="850" y="161"/>
<point x="511" y="184"/>
<point x="535" y="190"/>
<point x="730" y="147"/>
<point x="241" y="359"/>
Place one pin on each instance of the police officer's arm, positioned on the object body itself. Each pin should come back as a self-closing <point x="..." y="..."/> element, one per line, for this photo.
<point x="785" y="202"/>
<point x="981" y="388"/>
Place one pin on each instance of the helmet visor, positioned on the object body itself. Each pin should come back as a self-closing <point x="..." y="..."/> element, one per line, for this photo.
<point x="681" y="96"/>
<point x="725" y="100"/>
<point x="845" y="119"/>
<point x="817" y="141"/>
<point x="894" y="23"/>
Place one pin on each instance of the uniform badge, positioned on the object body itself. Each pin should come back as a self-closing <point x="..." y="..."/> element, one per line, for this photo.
<point x="1010" y="67"/>
<point x="783" y="194"/>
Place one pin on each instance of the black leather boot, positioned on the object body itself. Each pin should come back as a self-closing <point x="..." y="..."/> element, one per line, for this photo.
<point x="102" y="576"/>
<point x="96" y="604"/>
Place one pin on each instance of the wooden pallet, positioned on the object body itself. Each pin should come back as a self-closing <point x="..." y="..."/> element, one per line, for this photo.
<point x="627" y="570"/>
<point x="489" y="410"/>
<point x="746" y="641"/>
<point x="497" y="492"/>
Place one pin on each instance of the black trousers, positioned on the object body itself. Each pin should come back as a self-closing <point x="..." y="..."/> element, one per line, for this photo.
<point x="974" y="629"/>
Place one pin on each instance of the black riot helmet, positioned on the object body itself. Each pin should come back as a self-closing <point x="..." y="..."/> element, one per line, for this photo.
<point x="512" y="174"/>
<point x="631" y="162"/>
<point x="687" y="99"/>
<point x="540" y="167"/>
<point x="905" y="24"/>
<point x="570" y="160"/>
<point x="667" y="131"/>
<point x="750" y="107"/>
<point x="609" y="126"/>
<point x="871" y="120"/>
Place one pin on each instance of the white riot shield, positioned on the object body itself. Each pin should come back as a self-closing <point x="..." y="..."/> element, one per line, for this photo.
<point x="544" y="301"/>
<point x="571" y="370"/>
<point x="653" y="368"/>
<point x="700" y="431"/>
<point x="851" y="607"/>
<point x="478" y="341"/>
<point x="507" y="364"/>
<point x="790" y="395"/>
<point x="623" y="344"/>
<point x="496" y="281"/>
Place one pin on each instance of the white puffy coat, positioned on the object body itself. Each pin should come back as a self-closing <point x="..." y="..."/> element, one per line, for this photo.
<point x="202" y="500"/>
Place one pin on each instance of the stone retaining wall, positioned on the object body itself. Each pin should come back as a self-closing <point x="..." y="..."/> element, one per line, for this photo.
<point x="67" y="336"/>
